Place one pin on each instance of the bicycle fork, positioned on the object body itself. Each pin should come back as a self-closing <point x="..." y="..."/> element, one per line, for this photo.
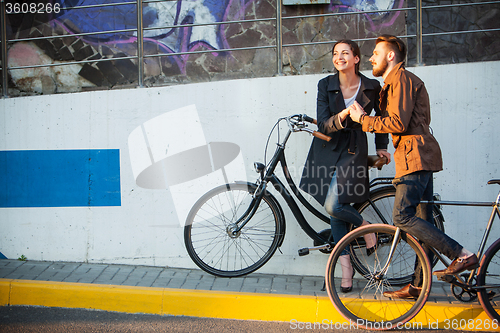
<point x="234" y="229"/>
<point x="395" y="242"/>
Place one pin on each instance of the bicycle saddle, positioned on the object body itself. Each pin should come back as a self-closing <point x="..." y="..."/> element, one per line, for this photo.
<point x="494" y="181"/>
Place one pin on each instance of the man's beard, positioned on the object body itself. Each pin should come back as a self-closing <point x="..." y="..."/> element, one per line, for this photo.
<point x="380" y="69"/>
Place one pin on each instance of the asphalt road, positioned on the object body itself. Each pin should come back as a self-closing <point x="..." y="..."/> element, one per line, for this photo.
<point x="57" y="320"/>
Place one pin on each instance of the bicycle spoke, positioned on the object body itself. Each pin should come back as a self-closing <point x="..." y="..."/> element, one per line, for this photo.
<point x="366" y="303"/>
<point x="217" y="245"/>
<point x="489" y="275"/>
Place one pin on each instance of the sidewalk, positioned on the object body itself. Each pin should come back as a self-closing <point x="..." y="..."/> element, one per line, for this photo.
<point x="190" y="292"/>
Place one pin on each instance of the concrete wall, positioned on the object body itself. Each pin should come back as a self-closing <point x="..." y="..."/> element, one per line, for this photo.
<point x="143" y="228"/>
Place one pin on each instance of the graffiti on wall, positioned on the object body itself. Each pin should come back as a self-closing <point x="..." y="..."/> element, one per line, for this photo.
<point x="97" y="32"/>
<point x="161" y="21"/>
<point x="378" y="18"/>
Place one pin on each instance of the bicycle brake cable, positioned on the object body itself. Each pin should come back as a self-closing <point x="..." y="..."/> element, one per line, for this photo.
<point x="269" y="138"/>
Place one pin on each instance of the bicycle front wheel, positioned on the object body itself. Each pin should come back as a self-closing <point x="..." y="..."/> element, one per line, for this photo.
<point x="366" y="305"/>
<point x="489" y="276"/>
<point x="209" y="232"/>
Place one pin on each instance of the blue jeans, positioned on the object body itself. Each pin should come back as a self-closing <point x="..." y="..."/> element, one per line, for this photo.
<point x="340" y="213"/>
<point x="417" y="219"/>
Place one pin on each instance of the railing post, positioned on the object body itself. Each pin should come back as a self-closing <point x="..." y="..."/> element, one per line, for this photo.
<point x="140" y="44"/>
<point x="279" y="40"/>
<point x="3" y="32"/>
<point x="419" y="33"/>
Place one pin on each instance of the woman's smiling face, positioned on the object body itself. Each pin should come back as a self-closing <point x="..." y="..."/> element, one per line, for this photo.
<point x="343" y="58"/>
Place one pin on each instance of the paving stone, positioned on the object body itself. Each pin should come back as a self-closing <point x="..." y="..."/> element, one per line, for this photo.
<point x="234" y="284"/>
<point x="161" y="281"/>
<point x="142" y="276"/>
<point x="85" y="273"/>
<point x="57" y="272"/>
<point x="180" y="273"/>
<point x="9" y="266"/>
<point x="30" y="270"/>
<point x="114" y="275"/>
<point x="178" y="278"/>
<point x="190" y="284"/>
<point x="204" y="286"/>
<point x="176" y="283"/>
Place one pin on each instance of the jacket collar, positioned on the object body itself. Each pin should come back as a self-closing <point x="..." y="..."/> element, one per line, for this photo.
<point x="334" y="83"/>
<point x="362" y="99"/>
<point x="392" y="74"/>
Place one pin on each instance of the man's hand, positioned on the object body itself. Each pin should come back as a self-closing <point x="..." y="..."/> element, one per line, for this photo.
<point x="383" y="152"/>
<point x="356" y="111"/>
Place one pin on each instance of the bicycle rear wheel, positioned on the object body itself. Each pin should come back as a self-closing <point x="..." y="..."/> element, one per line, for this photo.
<point x="489" y="275"/>
<point x="209" y="237"/>
<point x="366" y="305"/>
<point x="378" y="209"/>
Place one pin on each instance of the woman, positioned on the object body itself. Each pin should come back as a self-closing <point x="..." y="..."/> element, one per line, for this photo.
<point x="336" y="172"/>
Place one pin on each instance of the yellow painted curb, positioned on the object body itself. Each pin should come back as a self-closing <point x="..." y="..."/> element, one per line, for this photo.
<point x="300" y="311"/>
<point x="4" y="291"/>
<point x="87" y="296"/>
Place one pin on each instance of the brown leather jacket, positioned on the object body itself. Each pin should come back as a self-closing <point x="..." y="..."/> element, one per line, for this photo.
<point x="406" y="115"/>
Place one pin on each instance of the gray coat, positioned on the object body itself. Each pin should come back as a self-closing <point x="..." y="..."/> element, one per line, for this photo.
<point x="346" y="153"/>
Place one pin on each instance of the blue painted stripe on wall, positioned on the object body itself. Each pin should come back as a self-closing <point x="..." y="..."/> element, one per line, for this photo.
<point x="60" y="178"/>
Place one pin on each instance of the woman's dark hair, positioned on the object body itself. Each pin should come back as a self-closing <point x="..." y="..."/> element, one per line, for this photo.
<point x="354" y="48"/>
<point x="394" y="44"/>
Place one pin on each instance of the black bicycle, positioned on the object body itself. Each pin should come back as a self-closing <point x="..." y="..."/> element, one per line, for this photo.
<point x="369" y="308"/>
<point x="234" y="229"/>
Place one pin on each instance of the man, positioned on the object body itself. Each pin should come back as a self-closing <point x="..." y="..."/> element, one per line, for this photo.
<point x="406" y="115"/>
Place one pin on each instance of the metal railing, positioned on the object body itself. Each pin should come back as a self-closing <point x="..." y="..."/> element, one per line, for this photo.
<point x="140" y="57"/>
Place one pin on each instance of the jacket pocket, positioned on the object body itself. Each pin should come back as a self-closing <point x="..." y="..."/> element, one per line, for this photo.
<point x="408" y="152"/>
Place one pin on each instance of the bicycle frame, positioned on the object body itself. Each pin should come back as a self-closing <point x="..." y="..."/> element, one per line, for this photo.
<point x="459" y="281"/>
<point x="494" y="212"/>
<point x="269" y="176"/>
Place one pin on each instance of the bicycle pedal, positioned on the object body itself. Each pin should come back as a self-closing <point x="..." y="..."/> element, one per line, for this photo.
<point x="446" y="278"/>
<point x="304" y="252"/>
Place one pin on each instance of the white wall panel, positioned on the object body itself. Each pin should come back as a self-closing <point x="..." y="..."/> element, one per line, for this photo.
<point x="145" y="228"/>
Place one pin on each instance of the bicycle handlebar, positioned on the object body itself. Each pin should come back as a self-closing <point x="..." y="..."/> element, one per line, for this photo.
<point x="309" y="119"/>
<point x="317" y="134"/>
<point x="321" y="136"/>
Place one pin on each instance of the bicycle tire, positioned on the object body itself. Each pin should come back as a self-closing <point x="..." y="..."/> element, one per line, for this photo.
<point x="489" y="274"/>
<point x="365" y="305"/>
<point x="211" y="245"/>
<point x="384" y="196"/>
<point x="383" y="199"/>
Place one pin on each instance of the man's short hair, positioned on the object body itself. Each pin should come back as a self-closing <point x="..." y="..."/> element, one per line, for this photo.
<point x="394" y="44"/>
